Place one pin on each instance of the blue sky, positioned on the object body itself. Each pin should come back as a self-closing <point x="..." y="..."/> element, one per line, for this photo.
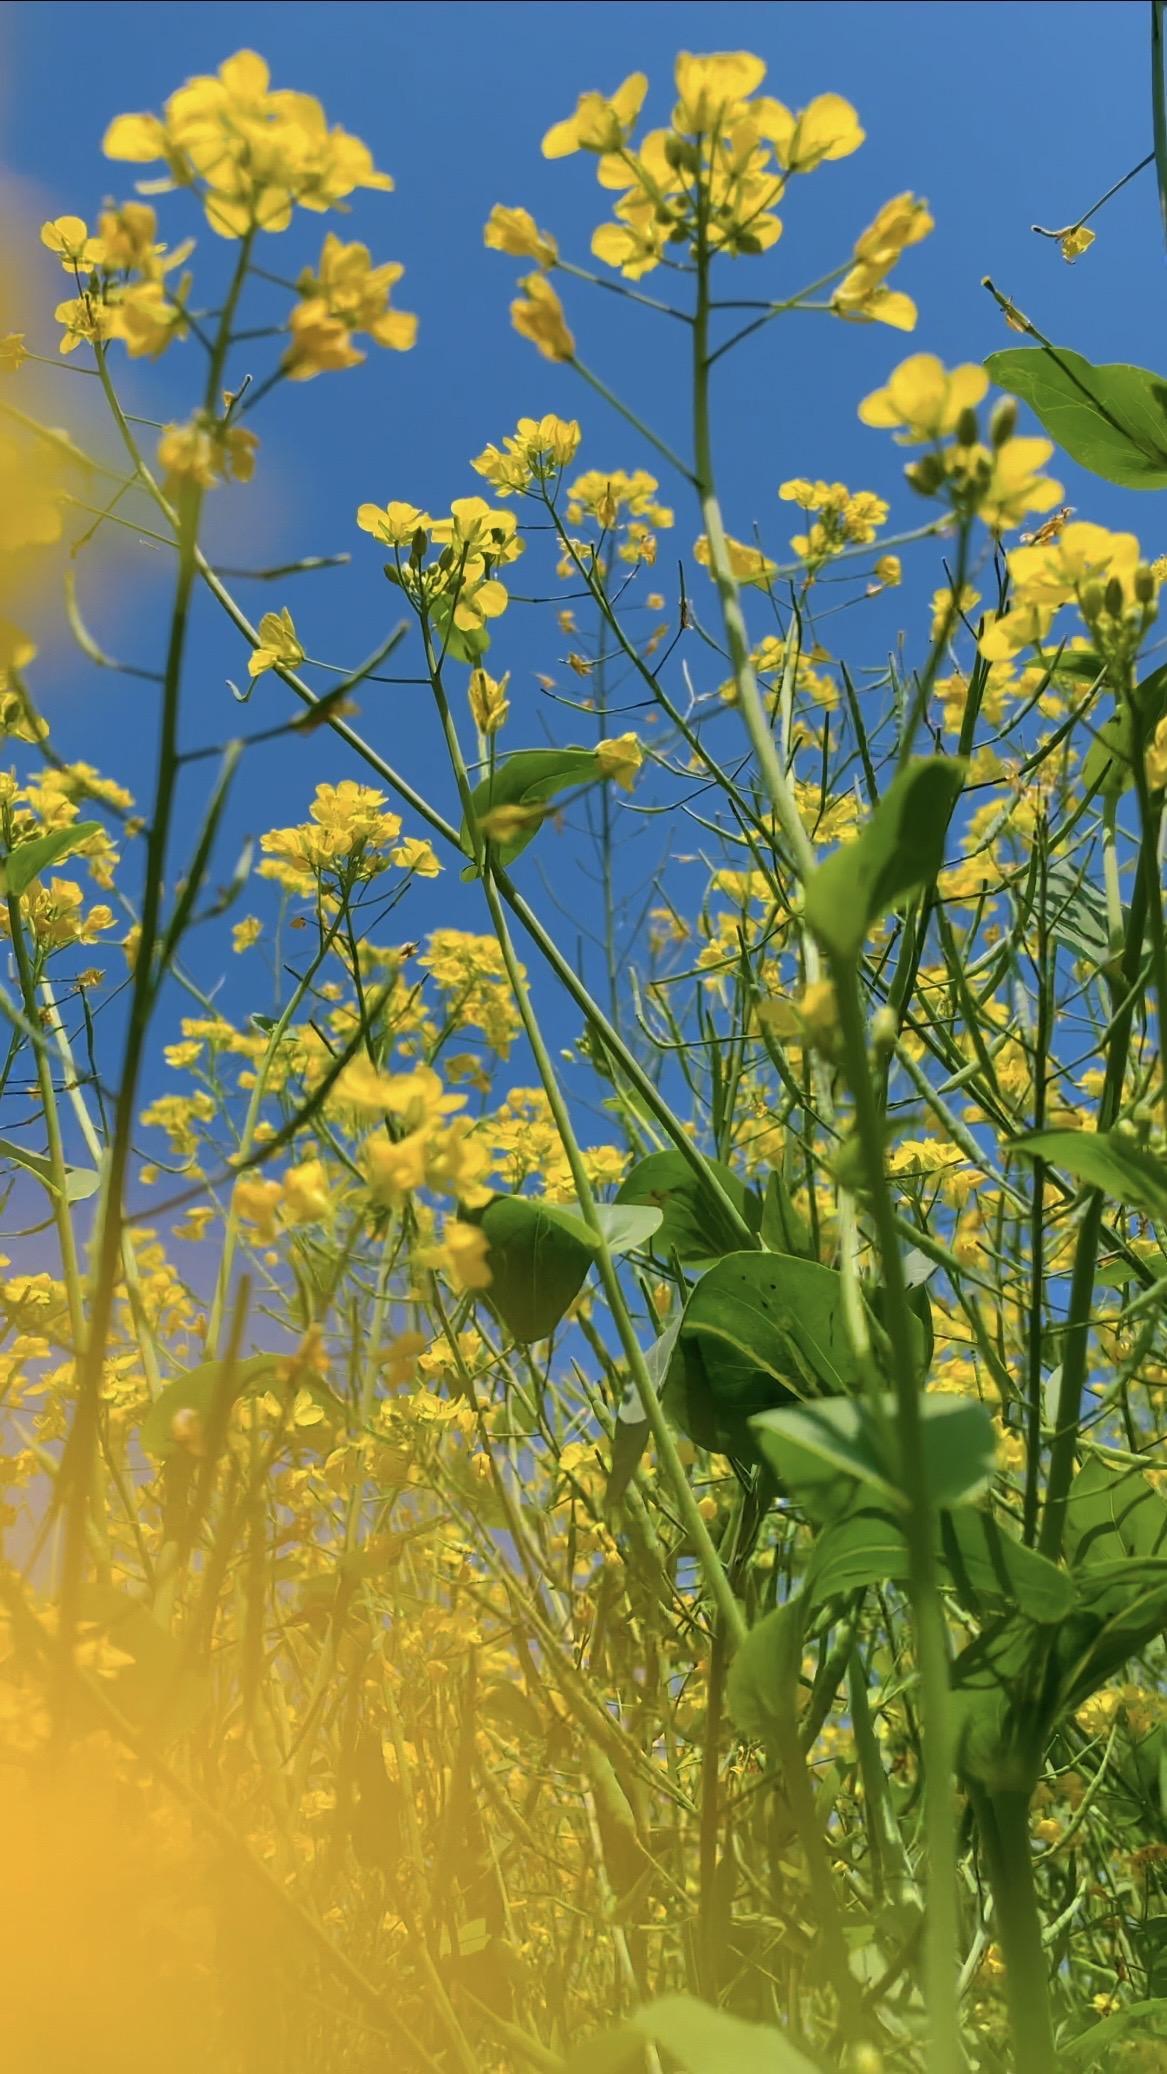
<point x="1000" y="115"/>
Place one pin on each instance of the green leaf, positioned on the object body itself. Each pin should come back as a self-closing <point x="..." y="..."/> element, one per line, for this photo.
<point x="823" y="1452"/>
<point x="198" y="1391"/>
<point x="701" y="2040"/>
<point x="537" y="1264"/>
<point x="528" y="778"/>
<point x="784" y="1228"/>
<point x="900" y="850"/>
<point x="1110" y="419"/>
<point x="1109" y="764"/>
<point x="985" y="1562"/>
<point x="1077" y="914"/>
<point x="28" y="860"/>
<point x="1122" y="1606"/>
<point x="540" y="1253"/>
<point x="1103" y="1159"/>
<point x="693" y="1224"/>
<point x="1093" y="2047"/>
<point x="1113" y="1512"/>
<point x="80" y="1182"/>
<point x="758" y="1330"/>
<point x="762" y="1685"/>
<point x="156" y="1688"/>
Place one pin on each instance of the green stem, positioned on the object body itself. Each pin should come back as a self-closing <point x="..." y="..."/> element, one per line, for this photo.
<point x="672" y="1467"/>
<point x="1003" y="1823"/>
<point x="919" y="1525"/>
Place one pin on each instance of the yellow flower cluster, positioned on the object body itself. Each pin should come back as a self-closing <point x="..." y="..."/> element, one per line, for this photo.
<point x="460" y="584"/>
<point x="140" y="312"/>
<point x="711" y="182"/>
<point x="349" y="834"/>
<point x="926" y="403"/>
<point x="254" y="153"/>
<point x="345" y="293"/>
<point x="534" y="453"/>
<point x="842" y="518"/>
<point x="1099" y="571"/>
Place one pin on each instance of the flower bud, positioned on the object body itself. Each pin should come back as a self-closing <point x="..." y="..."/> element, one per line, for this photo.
<point x="1092" y="601"/>
<point x="1003" y="423"/>
<point x="968" y="430"/>
<point x="1144" y="584"/>
<point x="681" y="155"/>
<point x="926" y="475"/>
<point x="1115" y="599"/>
<point x="884" y="1029"/>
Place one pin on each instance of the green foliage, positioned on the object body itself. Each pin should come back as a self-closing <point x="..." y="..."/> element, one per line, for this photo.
<point x="899" y="851"/>
<point x="28" y="860"/>
<point x="1109" y="1160"/>
<point x="1111" y="420"/>
<point x="693" y="1223"/>
<point x="540" y="1253"/>
<point x="528" y="779"/>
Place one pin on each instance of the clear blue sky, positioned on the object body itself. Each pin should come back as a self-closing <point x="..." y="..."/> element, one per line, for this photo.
<point x="999" y="115"/>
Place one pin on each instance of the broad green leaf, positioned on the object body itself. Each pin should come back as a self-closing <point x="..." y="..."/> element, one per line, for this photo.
<point x="626" y="1226"/>
<point x="900" y="850"/>
<point x="28" y="860"/>
<point x="1076" y="914"/>
<point x="784" y="1228"/>
<point x="1093" y="2048"/>
<point x="759" y="1330"/>
<point x="1113" y="1512"/>
<point x="1111" y="419"/>
<point x="1109" y="1160"/>
<point x="984" y="1565"/>
<point x="693" y="1224"/>
<point x="156" y="1687"/>
<point x="537" y="1263"/>
<point x="763" y="1676"/>
<point x="984" y="1562"/>
<point x="700" y="2039"/>
<point x="529" y="778"/>
<point x="80" y="1182"/>
<point x="1122" y="1607"/>
<point x="540" y="1253"/>
<point x="1003" y="1705"/>
<point x="198" y="1391"/>
<point x="823" y="1452"/>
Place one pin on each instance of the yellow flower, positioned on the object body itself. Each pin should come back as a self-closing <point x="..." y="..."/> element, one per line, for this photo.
<point x="598" y="124"/>
<point x="466" y="1249"/>
<point x="278" y="643"/>
<point x="393" y="524"/>
<point x="246" y="933"/>
<point x="1156" y="760"/>
<point x="748" y="564"/>
<point x="516" y="231"/>
<point x="255" y="153"/>
<point x="712" y="89"/>
<point x="1014" y="488"/>
<point x="13" y="352"/>
<point x="827" y="129"/>
<point x="534" y="452"/>
<point x="256" y="1202"/>
<point x="862" y="297"/>
<point x="346" y="293"/>
<point x="416" y="855"/>
<point x="68" y="237"/>
<point x="489" y="703"/>
<point x="619" y="758"/>
<point x="1075" y="243"/>
<point x="206" y="454"/>
<point x="540" y="318"/>
<point x="923" y="398"/>
<point x="320" y="344"/>
<point x="306" y="1195"/>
